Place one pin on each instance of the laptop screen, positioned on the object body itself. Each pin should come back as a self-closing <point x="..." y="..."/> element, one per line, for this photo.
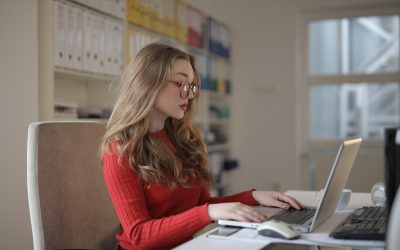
<point x="337" y="180"/>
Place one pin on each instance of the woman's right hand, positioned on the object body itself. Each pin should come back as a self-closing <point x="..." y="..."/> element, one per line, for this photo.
<point x="234" y="211"/>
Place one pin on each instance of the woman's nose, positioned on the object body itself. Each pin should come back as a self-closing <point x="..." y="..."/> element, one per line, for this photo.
<point x="191" y="95"/>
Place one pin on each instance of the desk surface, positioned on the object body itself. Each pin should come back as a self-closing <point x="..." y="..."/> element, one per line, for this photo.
<point x="306" y="197"/>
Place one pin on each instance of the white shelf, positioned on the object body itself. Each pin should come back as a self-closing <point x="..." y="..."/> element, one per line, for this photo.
<point x="82" y="75"/>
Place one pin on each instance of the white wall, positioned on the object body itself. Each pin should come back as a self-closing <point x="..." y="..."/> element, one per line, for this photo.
<point x="18" y="106"/>
<point x="264" y="81"/>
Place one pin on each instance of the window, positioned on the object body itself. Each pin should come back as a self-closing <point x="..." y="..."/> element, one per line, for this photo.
<point x="353" y="76"/>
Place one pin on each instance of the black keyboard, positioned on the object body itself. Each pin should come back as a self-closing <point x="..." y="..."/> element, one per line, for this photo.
<point x="294" y="216"/>
<point x="366" y="223"/>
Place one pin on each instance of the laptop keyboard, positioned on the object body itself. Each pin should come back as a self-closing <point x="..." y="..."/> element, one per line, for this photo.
<point x="294" y="216"/>
<point x="367" y="223"/>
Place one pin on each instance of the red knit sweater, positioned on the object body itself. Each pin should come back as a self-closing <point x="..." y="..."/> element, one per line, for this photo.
<point x="153" y="217"/>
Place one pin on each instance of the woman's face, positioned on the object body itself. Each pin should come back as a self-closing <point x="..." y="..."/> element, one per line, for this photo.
<point x="169" y="102"/>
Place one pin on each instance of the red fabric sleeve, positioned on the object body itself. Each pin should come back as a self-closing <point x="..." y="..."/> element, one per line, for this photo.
<point x="245" y="197"/>
<point x="127" y="194"/>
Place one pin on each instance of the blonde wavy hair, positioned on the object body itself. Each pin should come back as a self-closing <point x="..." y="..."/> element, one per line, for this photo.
<point x="128" y="126"/>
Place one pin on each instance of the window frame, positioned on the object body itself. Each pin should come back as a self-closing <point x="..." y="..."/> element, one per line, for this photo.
<point x="307" y="80"/>
<point x="305" y="145"/>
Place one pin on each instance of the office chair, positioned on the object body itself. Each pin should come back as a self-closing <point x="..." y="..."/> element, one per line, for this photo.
<point x="393" y="232"/>
<point x="68" y="201"/>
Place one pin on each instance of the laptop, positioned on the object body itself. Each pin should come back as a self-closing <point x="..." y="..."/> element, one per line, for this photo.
<point x="333" y="189"/>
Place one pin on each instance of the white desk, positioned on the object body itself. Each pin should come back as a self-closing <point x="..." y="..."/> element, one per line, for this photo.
<point x="306" y="197"/>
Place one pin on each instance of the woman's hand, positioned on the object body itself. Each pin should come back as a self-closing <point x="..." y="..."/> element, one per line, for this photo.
<point x="276" y="199"/>
<point x="234" y="211"/>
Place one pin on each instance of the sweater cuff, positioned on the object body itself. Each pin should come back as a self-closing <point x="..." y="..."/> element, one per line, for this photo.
<point x="204" y="213"/>
<point x="251" y="200"/>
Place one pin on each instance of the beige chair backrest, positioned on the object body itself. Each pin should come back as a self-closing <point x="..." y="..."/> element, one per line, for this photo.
<point x="68" y="201"/>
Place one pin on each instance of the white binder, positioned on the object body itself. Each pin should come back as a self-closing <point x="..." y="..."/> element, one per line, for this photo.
<point x="59" y="33"/>
<point x="96" y="43"/>
<point x="91" y="42"/>
<point x="69" y="37"/>
<point x="201" y="64"/>
<point x="121" y="8"/>
<point x="78" y="38"/>
<point x="108" y="55"/>
<point x="118" y="45"/>
<point x="87" y="38"/>
<point x="112" y="7"/>
<point x="131" y="44"/>
<point x="138" y="42"/>
<point x="101" y="67"/>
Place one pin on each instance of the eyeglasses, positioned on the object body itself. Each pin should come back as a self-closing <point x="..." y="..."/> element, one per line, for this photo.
<point x="184" y="88"/>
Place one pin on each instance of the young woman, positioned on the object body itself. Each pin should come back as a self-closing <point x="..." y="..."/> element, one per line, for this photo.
<point x="155" y="160"/>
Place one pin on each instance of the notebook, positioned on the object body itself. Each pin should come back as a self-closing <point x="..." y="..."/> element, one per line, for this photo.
<point x="333" y="189"/>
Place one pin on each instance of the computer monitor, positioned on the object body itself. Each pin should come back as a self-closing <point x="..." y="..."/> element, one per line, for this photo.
<point x="392" y="164"/>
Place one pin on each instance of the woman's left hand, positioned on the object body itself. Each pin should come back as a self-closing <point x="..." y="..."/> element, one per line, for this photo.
<point x="276" y="199"/>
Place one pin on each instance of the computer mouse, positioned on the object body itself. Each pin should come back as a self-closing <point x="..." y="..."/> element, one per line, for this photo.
<point x="277" y="229"/>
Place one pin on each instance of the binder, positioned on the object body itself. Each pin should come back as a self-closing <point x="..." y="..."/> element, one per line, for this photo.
<point x="60" y="33"/>
<point x="201" y="65"/>
<point x="158" y="15"/>
<point x="129" y="45"/>
<point x="221" y="75"/>
<point x="169" y="18"/>
<point x="218" y="38"/>
<point x="146" y="12"/>
<point x="69" y="37"/>
<point x="134" y="11"/>
<point x="108" y="6"/>
<point x="120" y="8"/>
<point x="88" y="39"/>
<point x="212" y="69"/>
<point x="143" y="41"/>
<point x="196" y="22"/>
<point x="101" y="29"/>
<point x="152" y="14"/>
<point x="109" y="46"/>
<point x="96" y="42"/>
<point x="181" y="20"/>
<point x="138" y="42"/>
<point x="225" y="40"/>
<point x="113" y="7"/>
<point x="228" y="84"/>
<point x="117" y="48"/>
<point x="78" y="38"/>
<point x="214" y="34"/>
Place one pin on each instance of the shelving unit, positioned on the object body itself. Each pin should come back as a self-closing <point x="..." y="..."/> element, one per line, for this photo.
<point x="79" y="76"/>
<point x="136" y="24"/>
